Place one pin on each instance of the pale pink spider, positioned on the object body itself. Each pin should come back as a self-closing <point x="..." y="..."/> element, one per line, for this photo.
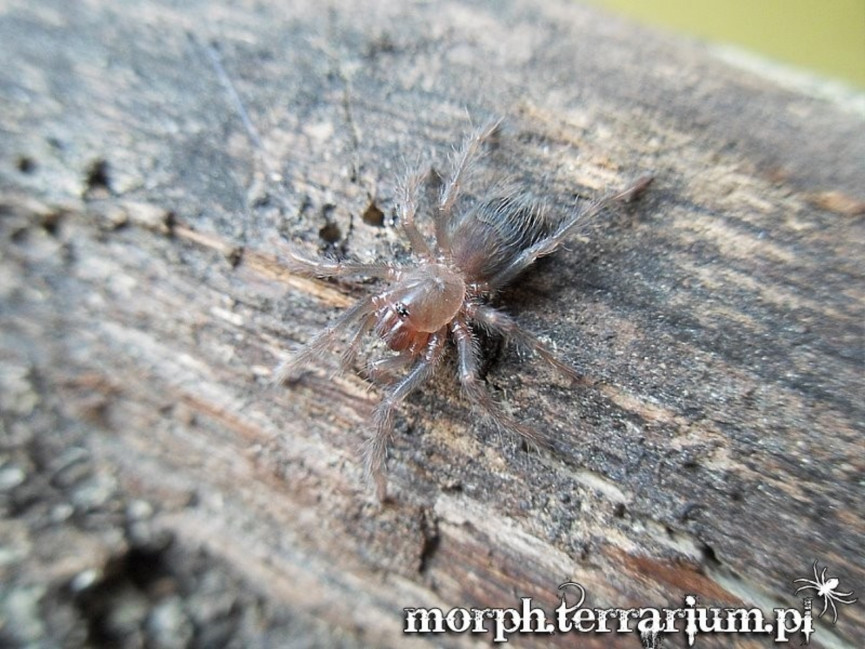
<point x="479" y="248"/>
<point x="825" y="588"/>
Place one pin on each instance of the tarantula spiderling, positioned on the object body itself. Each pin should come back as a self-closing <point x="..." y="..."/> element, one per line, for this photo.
<point x="444" y="295"/>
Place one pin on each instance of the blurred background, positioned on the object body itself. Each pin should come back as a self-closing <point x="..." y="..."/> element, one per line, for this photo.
<point x="827" y="38"/>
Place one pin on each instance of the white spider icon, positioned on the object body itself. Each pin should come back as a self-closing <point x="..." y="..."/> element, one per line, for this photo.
<point x="825" y="588"/>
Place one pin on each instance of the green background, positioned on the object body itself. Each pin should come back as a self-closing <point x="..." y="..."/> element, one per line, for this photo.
<point x="825" y="37"/>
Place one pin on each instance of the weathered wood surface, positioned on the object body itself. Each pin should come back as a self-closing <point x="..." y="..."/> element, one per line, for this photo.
<point x="156" y="490"/>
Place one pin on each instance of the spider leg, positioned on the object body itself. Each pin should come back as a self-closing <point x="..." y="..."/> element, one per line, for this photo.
<point x="381" y="370"/>
<point x="407" y="209"/>
<point x="451" y="188"/>
<point x="467" y="354"/>
<point x="834" y="611"/>
<point x="296" y="262"/>
<point x="322" y="341"/>
<point x="350" y="354"/>
<point x="375" y="451"/>
<point x="826" y="602"/>
<point x="549" y="244"/>
<point x="503" y="324"/>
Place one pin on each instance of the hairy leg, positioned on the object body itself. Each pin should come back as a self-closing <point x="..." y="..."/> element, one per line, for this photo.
<point x="451" y="188"/>
<point x="503" y="324"/>
<point x="350" y="353"/>
<point x="322" y="341"/>
<point x="296" y="262"/>
<point x="375" y="451"/>
<point x="547" y="245"/>
<point x="467" y="355"/>
<point x="408" y="207"/>
<point x="381" y="370"/>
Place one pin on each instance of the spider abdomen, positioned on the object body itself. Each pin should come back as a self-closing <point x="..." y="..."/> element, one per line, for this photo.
<point x="493" y="232"/>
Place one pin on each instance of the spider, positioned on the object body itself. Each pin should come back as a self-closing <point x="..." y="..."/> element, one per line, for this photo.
<point x="480" y="247"/>
<point x="825" y="588"/>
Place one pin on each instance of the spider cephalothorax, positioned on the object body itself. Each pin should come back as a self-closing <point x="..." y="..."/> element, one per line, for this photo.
<point x="444" y="295"/>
